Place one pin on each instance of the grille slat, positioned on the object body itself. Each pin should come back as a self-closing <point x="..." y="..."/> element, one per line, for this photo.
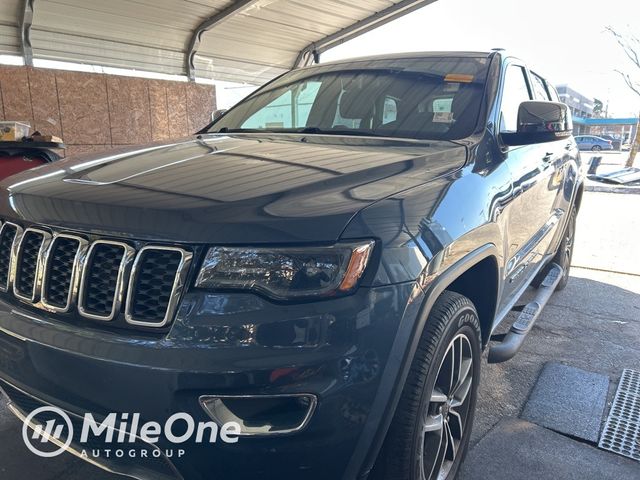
<point x="28" y="264"/>
<point x="152" y="285"/>
<point x="51" y="270"/>
<point x="60" y="271"/>
<point x="7" y="236"/>
<point x="101" y="280"/>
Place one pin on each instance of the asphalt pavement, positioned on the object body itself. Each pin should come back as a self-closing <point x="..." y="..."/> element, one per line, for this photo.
<point x="594" y="325"/>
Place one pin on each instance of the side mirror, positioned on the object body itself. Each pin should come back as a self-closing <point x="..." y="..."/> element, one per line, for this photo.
<point x="540" y="122"/>
<point x="217" y="114"/>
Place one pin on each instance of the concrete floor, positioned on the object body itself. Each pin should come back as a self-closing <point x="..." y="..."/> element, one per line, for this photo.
<point x="594" y="324"/>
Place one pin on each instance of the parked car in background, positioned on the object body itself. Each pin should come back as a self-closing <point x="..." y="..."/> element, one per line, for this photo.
<point x="20" y="151"/>
<point x="593" y="143"/>
<point x="616" y="143"/>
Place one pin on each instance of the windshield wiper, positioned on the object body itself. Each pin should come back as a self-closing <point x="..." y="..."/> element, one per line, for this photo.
<point x="244" y="130"/>
<point x="333" y="131"/>
<point x="320" y="131"/>
<point x="310" y="130"/>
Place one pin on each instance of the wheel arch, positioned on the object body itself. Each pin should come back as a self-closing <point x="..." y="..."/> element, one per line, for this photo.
<point x="459" y="276"/>
<point x="480" y="285"/>
<point x="579" y="193"/>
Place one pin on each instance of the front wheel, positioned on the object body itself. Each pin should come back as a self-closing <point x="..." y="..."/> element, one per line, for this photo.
<point x="430" y="431"/>
<point x="565" y="250"/>
<point x="596" y="148"/>
<point x="563" y="255"/>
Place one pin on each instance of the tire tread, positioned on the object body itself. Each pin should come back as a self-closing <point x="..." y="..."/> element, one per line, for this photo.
<point x="397" y="449"/>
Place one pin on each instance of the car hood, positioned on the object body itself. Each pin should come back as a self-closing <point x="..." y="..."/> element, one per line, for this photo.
<point x="226" y="188"/>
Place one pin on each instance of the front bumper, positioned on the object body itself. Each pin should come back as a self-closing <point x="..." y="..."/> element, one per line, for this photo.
<point x="223" y="344"/>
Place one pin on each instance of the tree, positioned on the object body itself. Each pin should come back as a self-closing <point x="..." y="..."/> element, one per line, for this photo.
<point x="597" y="107"/>
<point x="630" y="45"/>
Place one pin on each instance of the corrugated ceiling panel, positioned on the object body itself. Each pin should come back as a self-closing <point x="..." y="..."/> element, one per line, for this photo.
<point x="175" y="13"/>
<point x="10" y="13"/>
<point x="230" y="70"/>
<point x="146" y="35"/>
<point x="274" y="34"/>
<point x="129" y="22"/>
<point x="55" y="46"/>
<point x="252" y="46"/>
<point x="9" y="40"/>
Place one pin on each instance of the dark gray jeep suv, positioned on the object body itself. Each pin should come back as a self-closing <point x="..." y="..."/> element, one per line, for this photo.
<point x="322" y="266"/>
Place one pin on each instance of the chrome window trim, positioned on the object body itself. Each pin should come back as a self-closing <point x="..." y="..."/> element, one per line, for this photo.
<point x="37" y="282"/>
<point x="179" y="281"/>
<point x="78" y="262"/>
<point x="128" y="255"/>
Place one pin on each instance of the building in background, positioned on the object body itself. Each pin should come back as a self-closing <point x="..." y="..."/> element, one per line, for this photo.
<point x="619" y="130"/>
<point x="588" y="122"/>
<point x="580" y="105"/>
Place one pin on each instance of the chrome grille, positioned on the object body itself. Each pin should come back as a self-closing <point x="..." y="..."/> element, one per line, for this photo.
<point x="8" y="235"/>
<point x="101" y="288"/>
<point x="60" y="272"/>
<point x="155" y="284"/>
<point x="26" y="272"/>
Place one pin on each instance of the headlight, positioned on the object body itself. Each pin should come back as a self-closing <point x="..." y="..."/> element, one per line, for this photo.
<point x="286" y="273"/>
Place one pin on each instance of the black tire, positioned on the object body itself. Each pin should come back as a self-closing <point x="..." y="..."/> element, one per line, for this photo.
<point x="596" y="148"/>
<point x="411" y="442"/>
<point x="565" y="250"/>
<point x="563" y="255"/>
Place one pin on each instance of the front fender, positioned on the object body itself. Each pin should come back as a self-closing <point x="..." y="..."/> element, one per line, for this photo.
<point x="401" y="355"/>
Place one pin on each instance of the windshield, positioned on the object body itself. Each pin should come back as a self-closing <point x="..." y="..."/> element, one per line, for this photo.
<point x="424" y="98"/>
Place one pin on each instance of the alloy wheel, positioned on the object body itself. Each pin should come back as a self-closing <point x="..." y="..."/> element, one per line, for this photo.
<point x="568" y="246"/>
<point x="568" y="250"/>
<point x="445" y="416"/>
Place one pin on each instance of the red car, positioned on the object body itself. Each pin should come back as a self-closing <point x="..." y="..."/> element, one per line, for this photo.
<point x="16" y="158"/>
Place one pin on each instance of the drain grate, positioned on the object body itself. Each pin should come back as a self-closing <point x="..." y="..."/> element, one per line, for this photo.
<point x="621" y="432"/>
<point x="630" y="381"/>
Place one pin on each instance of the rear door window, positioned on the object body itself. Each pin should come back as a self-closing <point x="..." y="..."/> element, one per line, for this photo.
<point x="443" y="104"/>
<point x="539" y="87"/>
<point x="305" y="96"/>
<point x="289" y="110"/>
<point x="389" y="110"/>
<point x="344" y="122"/>
<point x="514" y="92"/>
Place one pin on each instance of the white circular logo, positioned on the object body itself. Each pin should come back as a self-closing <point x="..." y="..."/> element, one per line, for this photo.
<point x="37" y="435"/>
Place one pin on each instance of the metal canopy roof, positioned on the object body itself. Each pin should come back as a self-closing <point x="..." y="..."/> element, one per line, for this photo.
<point x="234" y="40"/>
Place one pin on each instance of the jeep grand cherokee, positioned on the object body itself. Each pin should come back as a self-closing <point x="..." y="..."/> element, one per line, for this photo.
<point x="323" y="265"/>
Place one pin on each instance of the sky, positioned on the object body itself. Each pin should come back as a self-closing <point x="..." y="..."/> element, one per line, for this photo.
<point x="563" y="40"/>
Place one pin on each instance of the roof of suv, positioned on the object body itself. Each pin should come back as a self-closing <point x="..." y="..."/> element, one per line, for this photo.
<point x="396" y="56"/>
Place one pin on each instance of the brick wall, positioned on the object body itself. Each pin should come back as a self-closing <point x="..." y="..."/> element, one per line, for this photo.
<point x="93" y="112"/>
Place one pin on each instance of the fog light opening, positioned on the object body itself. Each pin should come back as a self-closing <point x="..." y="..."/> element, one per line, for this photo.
<point x="261" y="415"/>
